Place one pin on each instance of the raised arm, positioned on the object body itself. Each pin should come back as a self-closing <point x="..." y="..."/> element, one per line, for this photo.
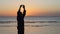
<point x="24" y="12"/>
<point x="18" y="13"/>
<point x="20" y="7"/>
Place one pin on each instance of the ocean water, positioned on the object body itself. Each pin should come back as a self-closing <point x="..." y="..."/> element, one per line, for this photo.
<point x="33" y="25"/>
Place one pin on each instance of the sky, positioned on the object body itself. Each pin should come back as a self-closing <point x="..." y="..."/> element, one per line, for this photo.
<point x="33" y="7"/>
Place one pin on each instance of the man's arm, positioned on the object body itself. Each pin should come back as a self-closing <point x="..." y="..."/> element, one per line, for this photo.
<point x="24" y="13"/>
<point x="20" y="7"/>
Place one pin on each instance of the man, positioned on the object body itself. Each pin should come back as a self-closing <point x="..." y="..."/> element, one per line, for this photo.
<point x="20" y="19"/>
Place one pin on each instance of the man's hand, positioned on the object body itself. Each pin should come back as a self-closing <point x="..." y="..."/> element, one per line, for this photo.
<point x="23" y="6"/>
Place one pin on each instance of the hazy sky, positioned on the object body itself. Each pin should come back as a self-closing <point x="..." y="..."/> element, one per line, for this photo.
<point x="33" y="7"/>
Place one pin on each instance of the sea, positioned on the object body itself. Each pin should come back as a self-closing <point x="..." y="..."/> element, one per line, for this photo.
<point x="32" y="25"/>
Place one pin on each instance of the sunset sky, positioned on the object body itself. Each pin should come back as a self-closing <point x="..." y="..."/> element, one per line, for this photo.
<point x="33" y="7"/>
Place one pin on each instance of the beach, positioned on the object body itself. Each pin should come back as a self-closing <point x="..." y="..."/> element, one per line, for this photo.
<point x="33" y="25"/>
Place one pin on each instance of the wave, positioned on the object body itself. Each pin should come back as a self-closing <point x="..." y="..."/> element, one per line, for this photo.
<point x="46" y="25"/>
<point x="7" y="21"/>
<point x="31" y="21"/>
<point x="42" y="22"/>
<point x="40" y="25"/>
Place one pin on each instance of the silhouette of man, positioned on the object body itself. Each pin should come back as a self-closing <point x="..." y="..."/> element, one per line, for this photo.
<point x="20" y="20"/>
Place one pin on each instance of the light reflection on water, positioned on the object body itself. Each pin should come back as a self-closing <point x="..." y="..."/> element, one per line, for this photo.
<point x="53" y="28"/>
